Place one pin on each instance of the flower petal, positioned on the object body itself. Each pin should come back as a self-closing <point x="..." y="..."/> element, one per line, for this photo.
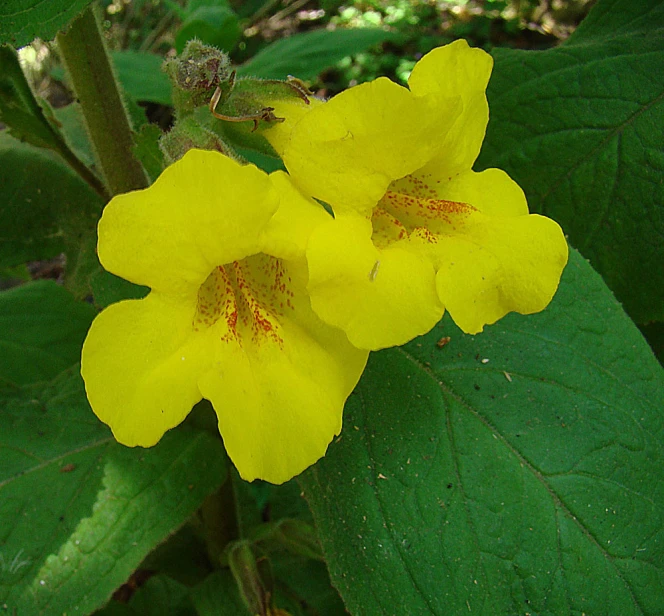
<point x="348" y="150"/>
<point x="456" y="70"/>
<point x="203" y="211"/>
<point x="292" y="110"/>
<point x="141" y="361"/>
<point x="496" y="265"/>
<point x="287" y="234"/>
<point x="380" y="297"/>
<point x="492" y="191"/>
<point x="279" y="383"/>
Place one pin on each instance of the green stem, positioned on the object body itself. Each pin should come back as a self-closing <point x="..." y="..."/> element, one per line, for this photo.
<point x="89" y="67"/>
<point x="220" y="520"/>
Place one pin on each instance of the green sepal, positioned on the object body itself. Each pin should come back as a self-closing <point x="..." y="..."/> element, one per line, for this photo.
<point x="188" y="134"/>
<point x="195" y="74"/>
<point x="253" y="576"/>
<point x="251" y="99"/>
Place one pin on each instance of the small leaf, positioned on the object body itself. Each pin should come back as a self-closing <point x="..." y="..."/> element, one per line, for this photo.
<point x="22" y="21"/>
<point x="19" y="109"/>
<point x="516" y="471"/>
<point x="306" y="55"/>
<point x="32" y="122"/>
<point x="42" y="329"/>
<point x="80" y="512"/>
<point x="579" y="127"/>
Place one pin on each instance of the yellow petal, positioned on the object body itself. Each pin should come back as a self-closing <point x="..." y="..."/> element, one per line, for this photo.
<point x="348" y="150"/>
<point x="491" y="191"/>
<point x="141" y="361"/>
<point x="279" y="383"/>
<point x="291" y="110"/>
<point x="495" y="265"/>
<point x="456" y="70"/>
<point x="380" y="297"/>
<point x="203" y="211"/>
<point x="287" y="234"/>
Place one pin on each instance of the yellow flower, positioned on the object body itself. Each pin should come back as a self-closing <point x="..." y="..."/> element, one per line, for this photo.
<point x="228" y="318"/>
<point x="416" y="231"/>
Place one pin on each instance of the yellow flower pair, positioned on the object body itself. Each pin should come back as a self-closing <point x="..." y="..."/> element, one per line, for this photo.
<point x="267" y="306"/>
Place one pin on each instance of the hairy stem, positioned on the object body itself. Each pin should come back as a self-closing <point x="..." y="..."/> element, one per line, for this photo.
<point x="88" y="64"/>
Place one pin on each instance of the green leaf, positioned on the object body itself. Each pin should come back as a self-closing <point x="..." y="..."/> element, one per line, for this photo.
<point x="516" y="471"/>
<point x="160" y="596"/>
<point x="309" y="581"/>
<point x="218" y="596"/>
<point x="306" y="55"/>
<point x="22" y="21"/>
<point x="79" y="512"/>
<point x="19" y="109"/>
<point x="579" y="127"/>
<point x="654" y="334"/>
<point x="32" y="122"/>
<point x="108" y="288"/>
<point x="72" y="125"/>
<point x="18" y="273"/>
<point x="141" y="76"/>
<point x="42" y="329"/>
<point x="42" y="202"/>
<point x="213" y="25"/>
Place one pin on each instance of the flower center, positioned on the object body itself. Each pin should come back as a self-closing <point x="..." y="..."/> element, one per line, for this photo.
<point x="398" y="215"/>
<point x="247" y="298"/>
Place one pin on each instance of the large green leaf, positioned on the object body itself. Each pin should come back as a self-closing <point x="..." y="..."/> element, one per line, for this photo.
<point x="78" y="512"/>
<point x="42" y="204"/>
<point x="306" y="55"/>
<point x="516" y="471"/>
<point x="42" y="329"/>
<point x="21" y="21"/>
<point x="580" y="127"/>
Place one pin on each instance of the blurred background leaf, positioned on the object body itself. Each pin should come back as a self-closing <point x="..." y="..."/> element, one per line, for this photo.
<point x="306" y="55"/>
<point x="213" y="22"/>
<point x="141" y="76"/>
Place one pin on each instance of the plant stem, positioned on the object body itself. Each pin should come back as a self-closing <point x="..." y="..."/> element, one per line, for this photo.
<point x="220" y="520"/>
<point x="88" y="64"/>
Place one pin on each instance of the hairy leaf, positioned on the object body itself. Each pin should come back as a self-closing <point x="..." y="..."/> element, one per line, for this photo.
<point x="579" y="127"/>
<point x="79" y="512"/>
<point x="516" y="471"/>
